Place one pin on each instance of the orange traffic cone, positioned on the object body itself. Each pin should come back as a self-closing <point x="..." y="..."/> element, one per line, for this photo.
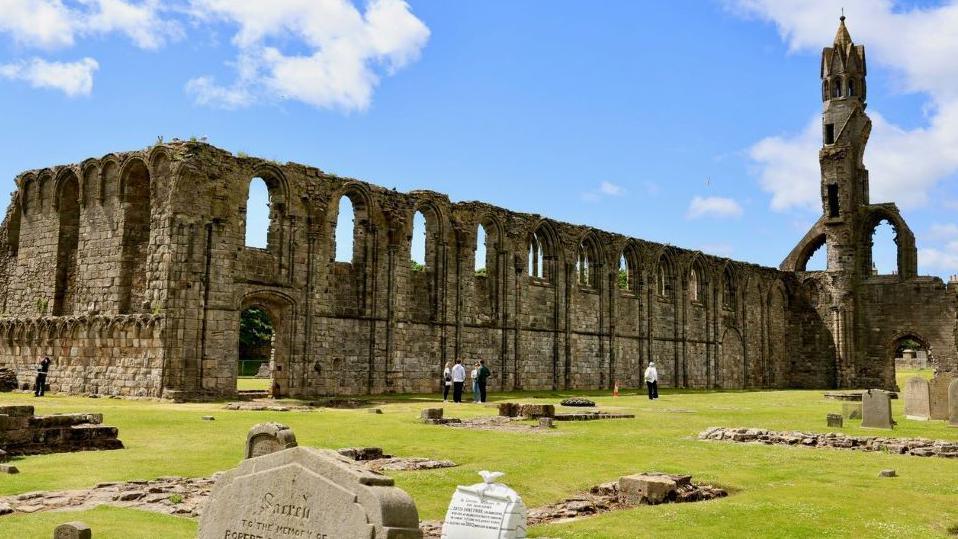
<point x="615" y="390"/>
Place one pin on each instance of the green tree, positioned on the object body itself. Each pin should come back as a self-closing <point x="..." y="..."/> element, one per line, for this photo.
<point x="256" y="330"/>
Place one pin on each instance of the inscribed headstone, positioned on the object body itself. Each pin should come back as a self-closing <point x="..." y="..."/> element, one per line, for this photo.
<point x="953" y="403"/>
<point x="267" y="438"/>
<point x="938" y="393"/>
<point x="834" y="420"/>
<point x="486" y="510"/>
<point x="72" y="530"/>
<point x="917" y="399"/>
<point x="308" y="493"/>
<point x="876" y="409"/>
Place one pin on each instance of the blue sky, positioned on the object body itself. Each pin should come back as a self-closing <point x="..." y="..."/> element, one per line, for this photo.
<point x="686" y="122"/>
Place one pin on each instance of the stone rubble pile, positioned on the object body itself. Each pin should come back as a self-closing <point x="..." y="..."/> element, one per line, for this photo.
<point x="577" y="401"/>
<point x="918" y="447"/>
<point x="8" y="379"/>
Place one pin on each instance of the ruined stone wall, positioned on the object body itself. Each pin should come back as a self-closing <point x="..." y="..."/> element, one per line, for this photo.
<point x="375" y="324"/>
<point x="100" y="355"/>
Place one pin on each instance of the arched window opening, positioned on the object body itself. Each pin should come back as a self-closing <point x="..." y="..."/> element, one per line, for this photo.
<point x="825" y="90"/>
<point x="664" y="276"/>
<point x="255" y="356"/>
<point x="851" y="87"/>
<point x="586" y="265"/>
<point x="837" y="87"/>
<point x="345" y="231"/>
<point x="884" y="250"/>
<point x="694" y="285"/>
<point x="542" y="257"/>
<point x="136" y="238"/>
<point x="623" y="277"/>
<point x="729" y="290"/>
<point x="818" y="261"/>
<point x="536" y="263"/>
<point x="486" y="269"/>
<point x="68" y="204"/>
<point x="480" y="258"/>
<point x="257" y="214"/>
<point x="418" y="245"/>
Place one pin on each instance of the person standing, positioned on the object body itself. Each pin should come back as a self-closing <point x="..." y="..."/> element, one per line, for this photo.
<point x="446" y="381"/>
<point x="42" y="368"/>
<point x="652" y="380"/>
<point x="458" y="380"/>
<point x="483" y="377"/>
<point x="474" y="377"/>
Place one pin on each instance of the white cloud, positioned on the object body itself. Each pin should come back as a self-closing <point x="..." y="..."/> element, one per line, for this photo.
<point x="344" y="48"/>
<point x="946" y="231"/>
<point x="719" y="207"/>
<point x="605" y="189"/>
<point x="51" y="24"/>
<point x="913" y="44"/>
<point x="611" y="189"/>
<point x="72" y="78"/>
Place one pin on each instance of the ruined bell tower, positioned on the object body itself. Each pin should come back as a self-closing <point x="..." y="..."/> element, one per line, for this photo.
<point x="866" y="313"/>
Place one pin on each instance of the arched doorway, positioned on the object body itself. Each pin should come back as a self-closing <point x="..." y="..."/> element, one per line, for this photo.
<point x="732" y="361"/>
<point x="266" y="322"/>
<point x="255" y="357"/>
<point x="912" y="357"/>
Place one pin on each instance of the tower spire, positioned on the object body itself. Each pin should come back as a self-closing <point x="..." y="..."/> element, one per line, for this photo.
<point x="842" y="38"/>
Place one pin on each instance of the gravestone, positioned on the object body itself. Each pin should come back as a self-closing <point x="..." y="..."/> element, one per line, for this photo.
<point x="72" y="530"/>
<point x="834" y="420"/>
<point x="852" y="410"/>
<point x="428" y="414"/>
<point x="938" y="393"/>
<point x="307" y="493"/>
<point x="876" y="409"/>
<point x="953" y="403"/>
<point x="267" y="438"/>
<point x="486" y="510"/>
<point x="917" y="399"/>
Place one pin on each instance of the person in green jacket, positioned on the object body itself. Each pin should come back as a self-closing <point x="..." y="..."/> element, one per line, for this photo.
<point x="482" y="377"/>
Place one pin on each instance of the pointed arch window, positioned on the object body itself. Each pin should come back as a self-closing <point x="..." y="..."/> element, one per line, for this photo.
<point x="851" y="88"/>
<point x="837" y="87"/>
<point x="664" y="280"/>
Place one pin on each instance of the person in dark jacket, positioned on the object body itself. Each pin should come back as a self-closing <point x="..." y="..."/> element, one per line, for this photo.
<point x="481" y="378"/>
<point x="42" y="368"/>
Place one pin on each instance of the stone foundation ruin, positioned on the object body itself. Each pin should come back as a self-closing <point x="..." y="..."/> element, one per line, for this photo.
<point x="23" y="433"/>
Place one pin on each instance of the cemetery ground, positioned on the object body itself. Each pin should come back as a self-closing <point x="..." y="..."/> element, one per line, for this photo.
<point x="774" y="490"/>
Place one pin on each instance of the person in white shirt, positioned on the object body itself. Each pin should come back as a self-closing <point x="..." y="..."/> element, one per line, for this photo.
<point x="446" y="381"/>
<point x="652" y="380"/>
<point x="458" y="380"/>
<point x="474" y="377"/>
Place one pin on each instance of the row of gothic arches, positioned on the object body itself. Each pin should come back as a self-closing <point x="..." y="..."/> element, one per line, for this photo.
<point x="69" y="196"/>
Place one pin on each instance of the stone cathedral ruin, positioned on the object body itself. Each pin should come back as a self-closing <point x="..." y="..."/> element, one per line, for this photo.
<point x="131" y="272"/>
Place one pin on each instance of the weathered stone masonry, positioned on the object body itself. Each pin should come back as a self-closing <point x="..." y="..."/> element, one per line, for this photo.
<point x="131" y="271"/>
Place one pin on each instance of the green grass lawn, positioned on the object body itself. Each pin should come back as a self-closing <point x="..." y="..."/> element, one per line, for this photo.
<point x="249" y="383"/>
<point x="776" y="491"/>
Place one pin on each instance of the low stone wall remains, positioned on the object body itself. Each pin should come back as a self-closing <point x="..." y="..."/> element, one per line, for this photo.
<point x="917" y="447"/>
<point x="22" y="433"/>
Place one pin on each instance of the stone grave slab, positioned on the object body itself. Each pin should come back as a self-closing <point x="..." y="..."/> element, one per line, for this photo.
<point x="307" y="493"/>
<point x="267" y="438"/>
<point x="73" y="530"/>
<point x="917" y="399"/>
<point x="953" y="403"/>
<point x="835" y="420"/>
<point x="876" y="409"/>
<point x="485" y="510"/>
<point x="938" y="393"/>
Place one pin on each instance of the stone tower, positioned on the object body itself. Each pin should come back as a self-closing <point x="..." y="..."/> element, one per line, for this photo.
<point x="848" y="295"/>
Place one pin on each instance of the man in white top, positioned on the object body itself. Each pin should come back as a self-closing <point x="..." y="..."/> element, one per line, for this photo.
<point x="652" y="380"/>
<point x="458" y="380"/>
